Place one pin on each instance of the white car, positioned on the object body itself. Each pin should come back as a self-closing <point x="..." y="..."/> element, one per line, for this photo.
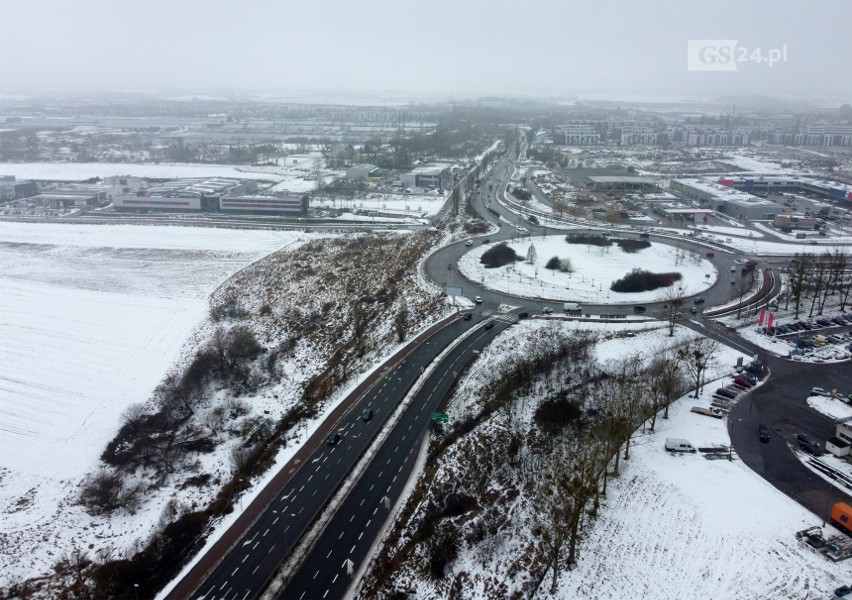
<point x="468" y="243"/>
<point x="547" y="310"/>
<point x="478" y="300"/>
<point x="818" y="391"/>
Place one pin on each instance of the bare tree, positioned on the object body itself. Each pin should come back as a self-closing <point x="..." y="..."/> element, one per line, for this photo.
<point x="672" y="299"/>
<point x="697" y="357"/>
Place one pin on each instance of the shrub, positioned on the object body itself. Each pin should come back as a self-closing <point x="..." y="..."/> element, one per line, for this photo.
<point x="632" y="246"/>
<point x="521" y="194"/>
<point x="592" y="240"/>
<point x="105" y="492"/>
<point x="565" y="265"/>
<point x="498" y="256"/>
<point x="643" y="281"/>
<point x="556" y="414"/>
<point x="554" y="263"/>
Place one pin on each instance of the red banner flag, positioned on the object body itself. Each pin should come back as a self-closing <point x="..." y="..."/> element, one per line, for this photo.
<point x="762" y="317"/>
<point x="769" y="322"/>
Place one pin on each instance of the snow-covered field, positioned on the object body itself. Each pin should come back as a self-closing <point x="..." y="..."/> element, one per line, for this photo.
<point x="81" y="171"/>
<point x="411" y="205"/>
<point x="831" y="407"/>
<point x="686" y="527"/>
<point x="91" y="317"/>
<point x="594" y="271"/>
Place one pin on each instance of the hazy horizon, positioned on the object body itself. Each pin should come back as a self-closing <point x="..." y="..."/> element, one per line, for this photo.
<point x="545" y="49"/>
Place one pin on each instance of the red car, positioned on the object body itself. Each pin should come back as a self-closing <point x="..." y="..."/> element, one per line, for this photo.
<point x="742" y="381"/>
<point x="711" y="254"/>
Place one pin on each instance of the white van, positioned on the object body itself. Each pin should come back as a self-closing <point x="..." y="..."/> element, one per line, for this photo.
<point x="678" y="445"/>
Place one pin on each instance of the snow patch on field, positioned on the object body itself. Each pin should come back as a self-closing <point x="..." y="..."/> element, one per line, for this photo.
<point x="91" y="317"/>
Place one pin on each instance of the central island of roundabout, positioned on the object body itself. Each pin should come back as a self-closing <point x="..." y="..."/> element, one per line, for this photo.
<point x="588" y="268"/>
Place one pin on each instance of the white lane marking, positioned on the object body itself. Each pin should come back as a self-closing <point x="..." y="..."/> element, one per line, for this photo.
<point x="255" y="569"/>
<point x="315" y="574"/>
<point x="265" y="532"/>
<point x="245" y="557"/>
<point x="329" y="553"/>
<point x="368" y="523"/>
<point x="276" y="520"/>
<point x="255" y="544"/>
<point x="235" y="571"/>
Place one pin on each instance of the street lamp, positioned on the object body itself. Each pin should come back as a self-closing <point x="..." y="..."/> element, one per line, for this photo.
<point x="136" y="590"/>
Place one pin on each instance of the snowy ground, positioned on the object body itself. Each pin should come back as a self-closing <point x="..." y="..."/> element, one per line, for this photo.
<point x="406" y="205"/>
<point x="683" y="526"/>
<point x="594" y="271"/>
<point x="81" y="171"/>
<point x="728" y="230"/>
<point x="831" y="407"/>
<point x="91" y="317"/>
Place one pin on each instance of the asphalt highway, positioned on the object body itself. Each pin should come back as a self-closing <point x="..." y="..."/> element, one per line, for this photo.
<point x="328" y="569"/>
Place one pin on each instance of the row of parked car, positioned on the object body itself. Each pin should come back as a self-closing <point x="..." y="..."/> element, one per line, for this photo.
<point x="845" y="398"/>
<point x="840" y="321"/>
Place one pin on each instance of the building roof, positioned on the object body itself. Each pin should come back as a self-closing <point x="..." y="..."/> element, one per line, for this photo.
<point x="617" y="179"/>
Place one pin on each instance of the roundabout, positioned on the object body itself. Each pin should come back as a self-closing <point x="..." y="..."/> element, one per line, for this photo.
<point x="585" y="273"/>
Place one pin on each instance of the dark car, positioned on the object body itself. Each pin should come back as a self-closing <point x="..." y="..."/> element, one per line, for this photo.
<point x="808" y="444"/>
<point x="639" y="309"/>
<point x="523" y="315"/>
<point x="468" y="316"/>
<point x="763" y="432"/>
<point x="748" y="377"/>
<point x="489" y="325"/>
<point x="486" y="241"/>
<point x="367" y="414"/>
<point x="333" y="438"/>
<point x="699" y="301"/>
<point x="725" y="393"/>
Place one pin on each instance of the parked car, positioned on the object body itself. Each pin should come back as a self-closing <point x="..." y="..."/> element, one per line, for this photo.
<point x="818" y="391"/>
<point x="693" y="310"/>
<point x="711" y="254"/>
<point x="725" y="393"/>
<point x="468" y="243"/>
<point x="523" y="315"/>
<point x="468" y="316"/>
<point x="678" y="445"/>
<point x="486" y="241"/>
<point x="763" y="433"/>
<point x="739" y="380"/>
<point x="640" y="309"/>
<point x="808" y="444"/>
<point x="547" y="310"/>
<point x="749" y="377"/>
<point x="478" y="299"/>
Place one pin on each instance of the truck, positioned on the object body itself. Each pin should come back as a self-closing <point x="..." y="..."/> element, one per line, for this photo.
<point x="841" y="515"/>
<point x="572" y="308"/>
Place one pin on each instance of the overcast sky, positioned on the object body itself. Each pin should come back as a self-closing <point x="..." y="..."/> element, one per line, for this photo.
<point x="537" y="47"/>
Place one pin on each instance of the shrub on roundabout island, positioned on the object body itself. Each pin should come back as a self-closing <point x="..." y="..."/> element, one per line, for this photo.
<point x="498" y="256"/>
<point x="632" y="246"/>
<point x="592" y="240"/>
<point x="644" y="281"/>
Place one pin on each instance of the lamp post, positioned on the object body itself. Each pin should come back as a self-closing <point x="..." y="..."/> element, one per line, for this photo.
<point x="136" y="590"/>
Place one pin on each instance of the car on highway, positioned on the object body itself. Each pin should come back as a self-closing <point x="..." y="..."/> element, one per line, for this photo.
<point x="367" y="414"/>
<point x="478" y="299"/>
<point x="486" y="241"/>
<point x="468" y="243"/>
<point x="698" y="300"/>
<point x="711" y="254"/>
<point x="640" y="309"/>
<point x="763" y="433"/>
<point x="333" y="438"/>
<point x="489" y="325"/>
<point x="693" y="310"/>
<point x="468" y="317"/>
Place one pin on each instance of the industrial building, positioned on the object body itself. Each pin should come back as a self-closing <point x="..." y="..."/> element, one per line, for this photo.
<point x="726" y="199"/>
<point x="11" y="189"/>
<point x="830" y="190"/>
<point x="196" y="194"/>
<point x="362" y="172"/>
<point x="617" y="183"/>
<point x="789" y="222"/>
<point x="262" y="204"/>
<point x="576" y="133"/>
<point x="429" y="176"/>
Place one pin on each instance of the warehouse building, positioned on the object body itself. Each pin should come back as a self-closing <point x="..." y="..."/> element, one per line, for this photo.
<point x="425" y="177"/>
<point x="279" y="204"/>
<point x="11" y="189"/>
<point x="362" y="172"/>
<point x="617" y="183"/>
<point x="789" y="222"/>
<point x="726" y="199"/>
<point x="197" y="194"/>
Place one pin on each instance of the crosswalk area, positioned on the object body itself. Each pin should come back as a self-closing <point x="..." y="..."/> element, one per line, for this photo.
<point x="501" y="314"/>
